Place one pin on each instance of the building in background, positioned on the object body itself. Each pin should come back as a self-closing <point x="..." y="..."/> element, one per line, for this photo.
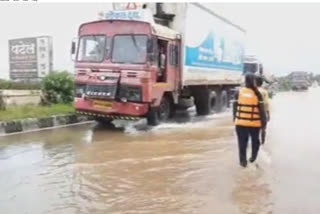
<point x="30" y="59"/>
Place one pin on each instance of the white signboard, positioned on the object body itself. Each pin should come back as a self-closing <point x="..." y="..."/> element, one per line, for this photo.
<point x="30" y="58"/>
<point x="44" y="46"/>
<point x="136" y="15"/>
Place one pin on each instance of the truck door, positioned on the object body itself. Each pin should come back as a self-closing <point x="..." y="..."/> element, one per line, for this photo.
<point x="162" y="60"/>
<point x="173" y="65"/>
<point x="168" y="59"/>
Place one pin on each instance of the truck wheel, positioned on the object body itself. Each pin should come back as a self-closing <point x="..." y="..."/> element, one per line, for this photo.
<point x="205" y="101"/>
<point x="165" y="109"/>
<point x="162" y="113"/>
<point x="223" y="100"/>
<point x="185" y="103"/>
<point x="153" y="117"/>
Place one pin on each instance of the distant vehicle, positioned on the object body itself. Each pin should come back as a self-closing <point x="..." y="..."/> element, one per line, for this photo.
<point x="150" y="61"/>
<point x="299" y="81"/>
<point x="253" y="64"/>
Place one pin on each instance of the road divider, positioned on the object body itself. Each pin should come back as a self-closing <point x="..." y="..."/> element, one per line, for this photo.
<point x="29" y="124"/>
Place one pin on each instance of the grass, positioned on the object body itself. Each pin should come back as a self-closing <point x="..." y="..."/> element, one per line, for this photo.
<point x="8" y="84"/>
<point x="29" y="111"/>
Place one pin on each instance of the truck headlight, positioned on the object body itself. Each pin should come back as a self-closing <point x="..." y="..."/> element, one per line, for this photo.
<point x="80" y="89"/>
<point x="130" y="93"/>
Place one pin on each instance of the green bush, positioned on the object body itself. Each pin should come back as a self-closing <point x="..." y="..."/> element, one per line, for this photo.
<point x="8" y="84"/>
<point x="58" y="87"/>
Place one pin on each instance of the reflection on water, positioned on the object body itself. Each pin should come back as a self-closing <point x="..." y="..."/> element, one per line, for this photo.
<point x="189" y="166"/>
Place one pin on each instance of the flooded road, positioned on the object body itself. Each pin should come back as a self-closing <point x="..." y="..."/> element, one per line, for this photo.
<point x="189" y="167"/>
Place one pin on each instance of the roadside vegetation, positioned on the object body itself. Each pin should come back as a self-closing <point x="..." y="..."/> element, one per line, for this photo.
<point x="57" y="91"/>
<point x="58" y="87"/>
<point x="30" y="111"/>
<point x="284" y="83"/>
<point x="8" y="84"/>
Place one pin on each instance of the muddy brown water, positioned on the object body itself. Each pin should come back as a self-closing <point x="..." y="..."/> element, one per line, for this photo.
<point x="178" y="167"/>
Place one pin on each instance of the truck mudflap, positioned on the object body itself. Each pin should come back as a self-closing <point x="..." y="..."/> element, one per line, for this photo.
<point x="109" y="116"/>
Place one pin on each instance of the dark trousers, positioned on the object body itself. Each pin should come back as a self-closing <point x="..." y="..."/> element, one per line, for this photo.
<point x="243" y="134"/>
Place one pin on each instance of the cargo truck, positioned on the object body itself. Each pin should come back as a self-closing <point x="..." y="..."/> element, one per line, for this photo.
<point x="299" y="81"/>
<point x="151" y="61"/>
<point x="254" y="65"/>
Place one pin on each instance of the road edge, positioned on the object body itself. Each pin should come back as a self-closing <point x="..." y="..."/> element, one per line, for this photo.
<point x="35" y="124"/>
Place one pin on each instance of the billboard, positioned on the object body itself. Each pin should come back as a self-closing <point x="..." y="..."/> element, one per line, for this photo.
<point x="30" y="58"/>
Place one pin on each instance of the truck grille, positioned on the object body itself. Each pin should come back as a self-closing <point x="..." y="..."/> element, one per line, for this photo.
<point x="101" y="91"/>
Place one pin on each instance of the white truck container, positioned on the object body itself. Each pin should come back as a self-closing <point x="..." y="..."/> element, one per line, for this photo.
<point x="212" y="46"/>
<point x="211" y="54"/>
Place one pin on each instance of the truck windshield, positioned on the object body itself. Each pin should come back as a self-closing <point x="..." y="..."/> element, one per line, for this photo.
<point x="250" y="67"/>
<point x="129" y="49"/>
<point x="91" y="48"/>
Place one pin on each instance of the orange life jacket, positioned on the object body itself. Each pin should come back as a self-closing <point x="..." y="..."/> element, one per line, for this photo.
<point x="247" y="111"/>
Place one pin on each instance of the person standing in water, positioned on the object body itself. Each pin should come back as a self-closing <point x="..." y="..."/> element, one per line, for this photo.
<point x="249" y="118"/>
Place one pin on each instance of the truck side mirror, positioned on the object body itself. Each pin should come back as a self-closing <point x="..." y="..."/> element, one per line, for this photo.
<point x="73" y="49"/>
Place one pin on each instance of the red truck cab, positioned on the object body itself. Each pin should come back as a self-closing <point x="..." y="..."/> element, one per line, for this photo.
<point x="124" y="69"/>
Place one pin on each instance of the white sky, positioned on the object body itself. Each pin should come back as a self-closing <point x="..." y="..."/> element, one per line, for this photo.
<point x="285" y="36"/>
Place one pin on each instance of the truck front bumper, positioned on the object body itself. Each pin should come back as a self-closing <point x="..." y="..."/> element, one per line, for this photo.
<point x="111" y="109"/>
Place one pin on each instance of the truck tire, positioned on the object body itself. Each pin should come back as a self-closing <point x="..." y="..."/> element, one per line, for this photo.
<point x="205" y="101"/>
<point x="153" y="117"/>
<point x="165" y="109"/>
<point x="185" y="103"/>
<point x="222" y="101"/>
<point x="162" y="113"/>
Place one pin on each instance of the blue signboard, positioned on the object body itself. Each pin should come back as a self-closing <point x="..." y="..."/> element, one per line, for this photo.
<point x="125" y="15"/>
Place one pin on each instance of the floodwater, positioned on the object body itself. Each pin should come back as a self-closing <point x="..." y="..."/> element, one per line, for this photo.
<point x="189" y="166"/>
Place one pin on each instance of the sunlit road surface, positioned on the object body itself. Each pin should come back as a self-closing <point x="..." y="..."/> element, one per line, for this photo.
<point x="190" y="166"/>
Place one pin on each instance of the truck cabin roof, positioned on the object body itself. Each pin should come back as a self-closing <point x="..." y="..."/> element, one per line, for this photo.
<point x="155" y="29"/>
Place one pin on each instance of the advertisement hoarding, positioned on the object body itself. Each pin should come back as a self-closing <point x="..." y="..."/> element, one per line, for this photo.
<point x="30" y="58"/>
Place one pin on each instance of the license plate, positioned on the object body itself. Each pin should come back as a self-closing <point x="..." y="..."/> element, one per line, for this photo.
<point x="102" y="104"/>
